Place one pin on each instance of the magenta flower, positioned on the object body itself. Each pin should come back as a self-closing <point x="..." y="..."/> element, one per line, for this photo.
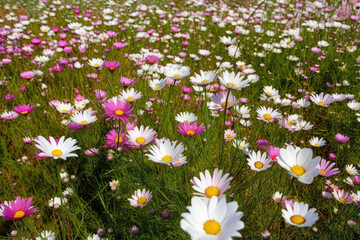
<point x="341" y="138"/>
<point x="262" y="143"/>
<point x="118" y="45"/>
<point x="24" y="109"/>
<point x="356" y="180"/>
<point x="326" y="169"/>
<point x="112" y="65"/>
<point x="151" y="59"/>
<point x="100" y="94"/>
<point x="126" y="81"/>
<point x="115" y="138"/>
<point x="36" y="41"/>
<point x="118" y="110"/>
<point x="27" y="75"/>
<point x="273" y="153"/>
<point x="18" y="209"/>
<point x="73" y="126"/>
<point x="190" y="129"/>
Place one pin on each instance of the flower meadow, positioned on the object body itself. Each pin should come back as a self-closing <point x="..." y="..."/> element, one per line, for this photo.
<point x="192" y="119"/>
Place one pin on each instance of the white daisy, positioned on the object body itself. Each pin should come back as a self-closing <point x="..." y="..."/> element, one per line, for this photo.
<point x="130" y="95"/>
<point x="186" y="117"/>
<point x="61" y="149"/>
<point x="300" y="215"/>
<point x="258" y="162"/>
<point x="166" y="152"/>
<point x="83" y="117"/>
<point x="204" y="78"/>
<point x="232" y="81"/>
<point x="212" y="219"/>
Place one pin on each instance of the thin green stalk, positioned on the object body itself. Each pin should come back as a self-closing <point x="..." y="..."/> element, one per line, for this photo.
<point x="221" y="153"/>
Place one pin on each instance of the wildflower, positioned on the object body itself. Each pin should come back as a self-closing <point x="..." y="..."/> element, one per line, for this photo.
<point x="341" y="138"/>
<point x="354" y="105"/>
<point x="204" y="78"/>
<point x="47" y="235"/>
<point x="96" y="62"/>
<point x="157" y="84"/>
<point x="141" y="136"/>
<point x="186" y="117"/>
<point x="152" y="59"/>
<point x="277" y="196"/>
<point x="83" y="117"/>
<point x="115" y="138"/>
<point x="240" y="144"/>
<point x="258" y="162"/>
<point x="27" y="75"/>
<point x="219" y="101"/>
<point x="212" y="219"/>
<point x="114" y="184"/>
<point x="273" y="153"/>
<point x="112" y="65"/>
<point x="300" y="215"/>
<point x="208" y="186"/>
<point x="24" y="109"/>
<point x="56" y="149"/>
<point x="267" y="114"/>
<point x="9" y="115"/>
<point x="227" y="40"/>
<point x="166" y="152"/>
<point x="262" y="143"/>
<point x="229" y="135"/>
<point x="118" y="110"/>
<point x="190" y="129"/>
<point x="316" y="142"/>
<point x="130" y="95"/>
<point x="351" y="169"/>
<point x="140" y="198"/>
<point x="232" y="81"/>
<point x="18" y="209"/>
<point x="299" y="163"/>
<point x="356" y="197"/>
<point x="56" y="202"/>
<point x="342" y="196"/>
<point x="127" y="81"/>
<point x="326" y="169"/>
<point x="321" y="100"/>
<point x="176" y="72"/>
<point x="64" y="107"/>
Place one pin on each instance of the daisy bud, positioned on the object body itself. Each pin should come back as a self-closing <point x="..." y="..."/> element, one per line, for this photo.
<point x="314" y="229"/>
<point x="109" y="156"/>
<point x="110" y="230"/>
<point x="165" y="213"/>
<point x="113" y="188"/>
<point x="327" y="195"/>
<point x="134" y="229"/>
<point x="152" y="211"/>
<point x="265" y="234"/>
<point x="100" y="232"/>
<point x="14" y="233"/>
<point x="351" y="223"/>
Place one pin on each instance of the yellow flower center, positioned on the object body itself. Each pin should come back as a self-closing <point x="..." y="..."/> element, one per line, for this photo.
<point x="321" y="103"/>
<point x="64" y="110"/>
<point x="212" y="227"/>
<point x="140" y="140"/>
<point x="223" y="104"/>
<point x="56" y="152"/>
<point x="190" y="132"/>
<point x="343" y="200"/>
<point x="19" y="214"/>
<point x="316" y="144"/>
<point x="269" y="93"/>
<point x="205" y="80"/>
<point x="130" y="99"/>
<point x="24" y="112"/>
<point x="297" y="170"/>
<point x="242" y="147"/>
<point x="119" y="112"/>
<point x="322" y="172"/>
<point x="212" y="191"/>
<point x="141" y="200"/>
<point x="167" y="158"/>
<point x="96" y="64"/>
<point x="350" y="172"/>
<point x="157" y="88"/>
<point x="84" y="122"/>
<point x="229" y="136"/>
<point x="267" y="116"/>
<point x="277" y="199"/>
<point x="118" y="139"/>
<point x="258" y="165"/>
<point x="232" y="85"/>
<point x="176" y="75"/>
<point x="297" y="219"/>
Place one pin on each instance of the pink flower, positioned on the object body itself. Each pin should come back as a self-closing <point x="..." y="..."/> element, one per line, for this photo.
<point x="262" y="143"/>
<point x="18" y="209"/>
<point x="118" y="110"/>
<point x="326" y="168"/>
<point x="273" y="153"/>
<point x="24" y="109"/>
<point x="342" y="196"/>
<point x="151" y="59"/>
<point x="27" y="75"/>
<point x="112" y="65"/>
<point x="190" y="129"/>
<point x="140" y="198"/>
<point x="119" y="45"/>
<point x="126" y="81"/>
<point x="341" y="138"/>
<point x="115" y="138"/>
